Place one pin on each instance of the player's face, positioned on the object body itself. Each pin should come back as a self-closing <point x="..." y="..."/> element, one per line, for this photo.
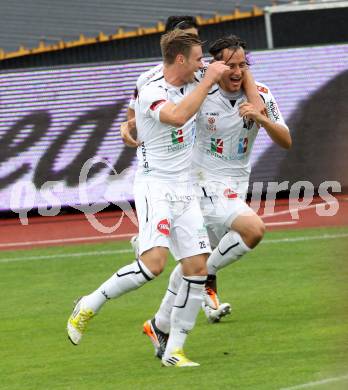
<point x="232" y="79"/>
<point x="193" y="63"/>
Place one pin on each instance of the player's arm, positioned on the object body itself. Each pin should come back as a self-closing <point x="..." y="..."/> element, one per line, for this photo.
<point x="277" y="131"/>
<point x="252" y="92"/>
<point x="128" y="130"/>
<point x="128" y="133"/>
<point x="130" y="113"/>
<point x="178" y="114"/>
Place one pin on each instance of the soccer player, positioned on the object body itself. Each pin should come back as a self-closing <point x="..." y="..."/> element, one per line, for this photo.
<point x="227" y="126"/>
<point x="169" y="214"/>
<point x="185" y="23"/>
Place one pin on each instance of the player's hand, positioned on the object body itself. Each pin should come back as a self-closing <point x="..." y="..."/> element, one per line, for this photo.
<point x="261" y="108"/>
<point x="127" y="130"/>
<point x="215" y="71"/>
<point x="250" y="112"/>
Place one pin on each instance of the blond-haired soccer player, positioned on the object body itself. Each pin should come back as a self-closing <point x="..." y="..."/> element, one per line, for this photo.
<point x="168" y="212"/>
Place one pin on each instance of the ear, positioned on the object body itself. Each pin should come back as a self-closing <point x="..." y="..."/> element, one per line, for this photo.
<point x="180" y="59"/>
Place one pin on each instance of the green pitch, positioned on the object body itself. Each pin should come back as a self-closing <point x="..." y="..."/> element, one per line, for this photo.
<point x="289" y="322"/>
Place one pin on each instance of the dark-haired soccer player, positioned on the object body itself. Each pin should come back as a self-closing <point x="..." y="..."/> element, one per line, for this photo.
<point x="227" y="126"/>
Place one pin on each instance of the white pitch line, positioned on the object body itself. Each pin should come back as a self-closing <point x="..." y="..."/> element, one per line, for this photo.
<point x="63" y="240"/>
<point x="119" y="251"/>
<point x="281" y="223"/>
<point x="283" y="212"/>
<point x="317" y="383"/>
<point x="65" y="255"/>
<point x="116" y="236"/>
<point x="305" y="238"/>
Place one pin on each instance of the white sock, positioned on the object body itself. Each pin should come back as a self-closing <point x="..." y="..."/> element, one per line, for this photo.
<point x="162" y="317"/>
<point x="127" y="278"/>
<point x="186" y="307"/>
<point x="230" y="248"/>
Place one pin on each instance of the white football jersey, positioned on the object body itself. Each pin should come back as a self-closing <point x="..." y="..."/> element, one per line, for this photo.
<point x="143" y="79"/>
<point x="166" y="151"/>
<point x="224" y="139"/>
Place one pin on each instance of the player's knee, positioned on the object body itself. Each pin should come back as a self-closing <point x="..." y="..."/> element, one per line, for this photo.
<point x="195" y="266"/>
<point x="200" y="270"/>
<point x="157" y="264"/>
<point x="253" y="232"/>
<point x="155" y="259"/>
<point x="256" y="233"/>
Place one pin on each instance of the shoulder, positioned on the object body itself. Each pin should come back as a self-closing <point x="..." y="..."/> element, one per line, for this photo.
<point x="262" y="88"/>
<point x="148" y="75"/>
<point x="154" y="89"/>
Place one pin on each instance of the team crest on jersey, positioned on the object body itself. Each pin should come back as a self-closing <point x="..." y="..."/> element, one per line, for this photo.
<point x="230" y="194"/>
<point x="211" y="124"/>
<point x="164" y="227"/>
<point x="217" y="145"/>
<point x="177" y="137"/>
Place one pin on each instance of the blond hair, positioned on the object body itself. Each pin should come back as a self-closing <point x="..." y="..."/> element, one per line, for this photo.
<point x="177" y="42"/>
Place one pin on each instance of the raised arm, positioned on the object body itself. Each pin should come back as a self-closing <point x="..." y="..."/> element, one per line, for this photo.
<point x="252" y="92"/>
<point x="178" y="114"/>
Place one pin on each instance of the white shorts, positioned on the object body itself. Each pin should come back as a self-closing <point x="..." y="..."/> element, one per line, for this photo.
<point x="222" y="201"/>
<point x="169" y="215"/>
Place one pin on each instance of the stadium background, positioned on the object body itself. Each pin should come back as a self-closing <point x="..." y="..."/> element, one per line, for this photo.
<point x="67" y="71"/>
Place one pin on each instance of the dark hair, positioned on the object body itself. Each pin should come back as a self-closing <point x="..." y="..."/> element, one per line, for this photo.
<point x="231" y="42"/>
<point x="177" y="42"/>
<point x="180" y="22"/>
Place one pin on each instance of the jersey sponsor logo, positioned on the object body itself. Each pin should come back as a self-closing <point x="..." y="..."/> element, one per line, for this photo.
<point x="242" y="145"/>
<point x="177" y="137"/>
<point x="163" y="227"/>
<point x="217" y="145"/>
<point x="262" y="89"/>
<point x="273" y="110"/>
<point x="156" y="104"/>
<point x="145" y="162"/>
<point x="230" y="194"/>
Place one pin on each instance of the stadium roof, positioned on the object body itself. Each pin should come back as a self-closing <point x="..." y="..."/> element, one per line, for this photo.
<point x="28" y="22"/>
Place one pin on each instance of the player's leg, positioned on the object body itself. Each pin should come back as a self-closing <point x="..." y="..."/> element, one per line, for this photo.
<point x="158" y="328"/>
<point x="246" y="231"/>
<point x="214" y="218"/>
<point x="237" y="229"/>
<point x="190" y="243"/>
<point x="154" y="245"/>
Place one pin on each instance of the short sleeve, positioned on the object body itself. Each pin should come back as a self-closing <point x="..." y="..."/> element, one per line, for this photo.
<point x="152" y="99"/>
